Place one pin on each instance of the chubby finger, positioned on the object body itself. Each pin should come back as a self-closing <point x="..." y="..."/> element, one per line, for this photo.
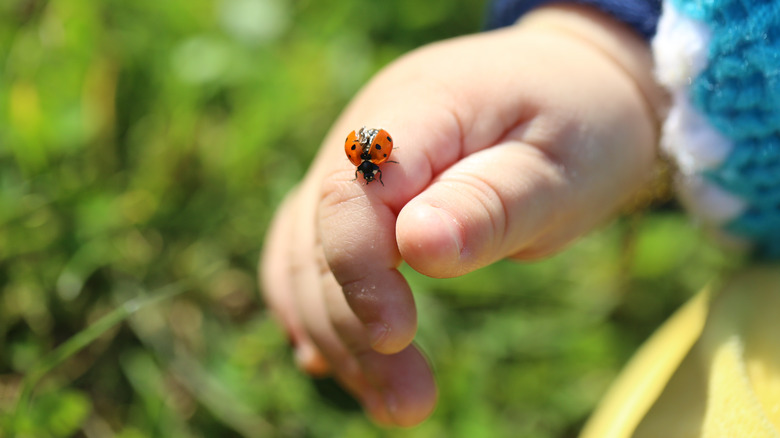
<point x="307" y="268"/>
<point x="403" y="380"/>
<point x="276" y="279"/>
<point x="405" y="383"/>
<point x="490" y="204"/>
<point x="511" y="200"/>
<point x="357" y="219"/>
<point x="305" y="297"/>
<point x="364" y="257"/>
<point x="346" y="368"/>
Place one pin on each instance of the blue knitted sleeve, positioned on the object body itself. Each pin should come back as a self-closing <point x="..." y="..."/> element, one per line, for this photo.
<point x="720" y="60"/>
<point x="642" y="15"/>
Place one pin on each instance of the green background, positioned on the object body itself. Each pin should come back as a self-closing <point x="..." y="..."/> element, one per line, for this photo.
<point x="144" y="145"/>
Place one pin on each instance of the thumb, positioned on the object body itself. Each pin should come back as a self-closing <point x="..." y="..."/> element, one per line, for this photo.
<point x="515" y="200"/>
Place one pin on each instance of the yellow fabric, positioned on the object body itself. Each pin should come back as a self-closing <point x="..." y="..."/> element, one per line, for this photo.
<point x="713" y="370"/>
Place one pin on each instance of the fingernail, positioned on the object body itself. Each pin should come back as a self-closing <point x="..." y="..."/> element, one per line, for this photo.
<point x="453" y="230"/>
<point x="377" y="333"/>
<point x="304" y="354"/>
<point x="391" y="403"/>
<point x="445" y="231"/>
<point x="307" y="359"/>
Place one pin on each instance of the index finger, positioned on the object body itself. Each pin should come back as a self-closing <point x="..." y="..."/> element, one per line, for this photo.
<point x="357" y="232"/>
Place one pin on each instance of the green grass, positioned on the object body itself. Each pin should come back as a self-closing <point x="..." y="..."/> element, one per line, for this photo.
<point x="146" y="143"/>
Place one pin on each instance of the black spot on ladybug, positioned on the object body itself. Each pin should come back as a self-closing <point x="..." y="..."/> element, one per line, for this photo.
<point x="353" y="147"/>
<point x="389" y="139"/>
<point x="385" y="155"/>
<point x="377" y="146"/>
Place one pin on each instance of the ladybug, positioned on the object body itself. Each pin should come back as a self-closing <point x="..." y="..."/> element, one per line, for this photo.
<point x="367" y="149"/>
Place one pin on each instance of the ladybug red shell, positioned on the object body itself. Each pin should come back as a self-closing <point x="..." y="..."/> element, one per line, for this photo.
<point x="353" y="148"/>
<point x="367" y="149"/>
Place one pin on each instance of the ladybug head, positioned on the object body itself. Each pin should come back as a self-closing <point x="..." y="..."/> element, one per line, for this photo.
<point x="369" y="171"/>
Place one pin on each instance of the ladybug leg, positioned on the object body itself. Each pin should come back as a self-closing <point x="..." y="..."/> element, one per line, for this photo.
<point x="356" y="172"/>
<point x="380" y="177"/>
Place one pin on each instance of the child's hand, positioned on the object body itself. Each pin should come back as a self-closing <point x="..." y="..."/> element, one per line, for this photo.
<point x="509" y="144"/>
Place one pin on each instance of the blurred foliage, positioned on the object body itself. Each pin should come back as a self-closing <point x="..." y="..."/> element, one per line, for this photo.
<point x="147" y="142"/>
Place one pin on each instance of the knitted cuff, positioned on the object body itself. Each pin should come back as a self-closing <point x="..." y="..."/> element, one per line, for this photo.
<point x="720" y="60"/>
<point x="641" y="15"/>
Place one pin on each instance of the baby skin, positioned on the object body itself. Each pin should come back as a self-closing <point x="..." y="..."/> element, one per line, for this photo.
<point x="510" y="143"/>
